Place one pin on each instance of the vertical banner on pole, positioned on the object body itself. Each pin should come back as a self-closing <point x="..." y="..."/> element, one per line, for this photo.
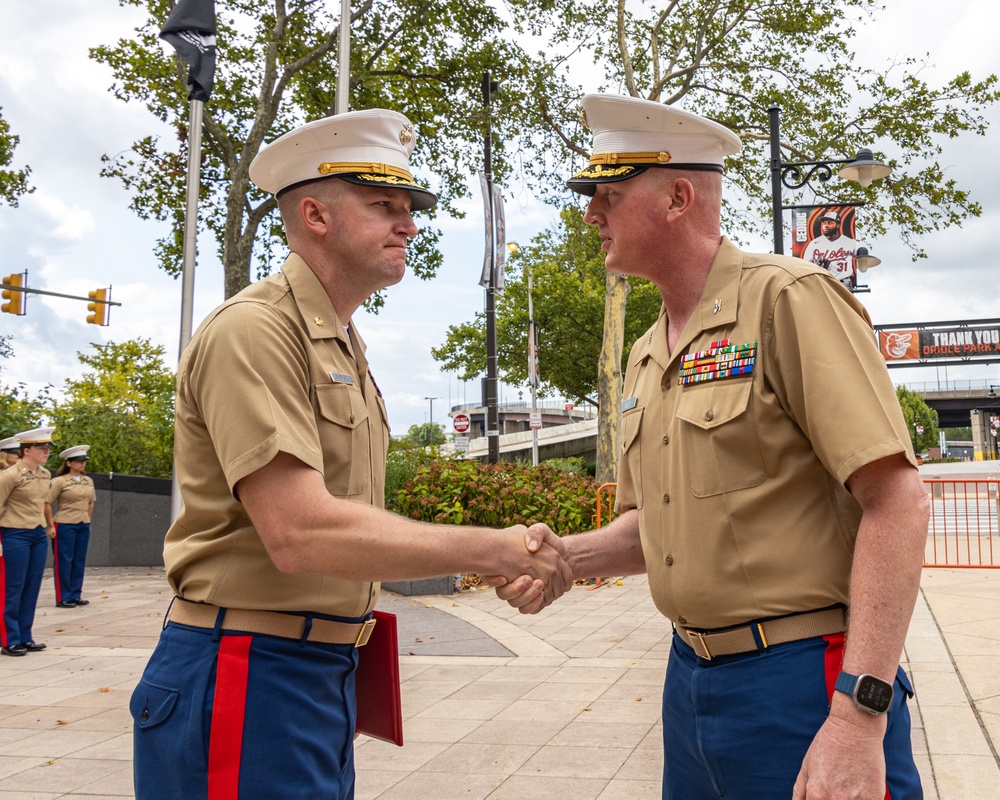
<point x="825" y="236"/>
<point x="484" y="278"/>
<point x="501" y="233"/>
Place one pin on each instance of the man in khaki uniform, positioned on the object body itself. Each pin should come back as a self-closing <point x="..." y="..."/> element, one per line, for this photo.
<point x="281" y="437"/>
<point x="25" y="519"/>
<point x="760" y="512"/>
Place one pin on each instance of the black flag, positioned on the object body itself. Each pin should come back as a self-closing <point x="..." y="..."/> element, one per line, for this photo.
<point x="190" y="28"/>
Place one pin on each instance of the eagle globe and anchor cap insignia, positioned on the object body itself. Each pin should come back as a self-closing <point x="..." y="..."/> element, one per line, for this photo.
<point x="406" y="134"/>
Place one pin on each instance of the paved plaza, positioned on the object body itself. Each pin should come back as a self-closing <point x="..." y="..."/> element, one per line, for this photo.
<point x="496" y="705"/>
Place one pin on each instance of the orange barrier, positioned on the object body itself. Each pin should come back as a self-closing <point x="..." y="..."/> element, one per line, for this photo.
<point x="964" y="526"/>
<point x="608" y="499"/>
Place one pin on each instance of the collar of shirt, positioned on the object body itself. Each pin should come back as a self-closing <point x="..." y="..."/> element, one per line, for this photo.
<point x="716" y="308"/>
<point x="313" y="303"/>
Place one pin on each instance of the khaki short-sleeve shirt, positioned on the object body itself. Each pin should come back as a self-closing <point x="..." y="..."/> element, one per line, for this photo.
<point x="739" y="480"/>
<point x="23" y="493"/>
<point x="271" y="370"/>
<point x="74" y="496"/>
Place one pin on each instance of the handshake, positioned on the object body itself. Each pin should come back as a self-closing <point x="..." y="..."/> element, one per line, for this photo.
<point x="537" y="572"/>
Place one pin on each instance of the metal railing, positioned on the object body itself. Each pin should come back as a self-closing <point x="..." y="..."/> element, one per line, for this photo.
<point x="964" y="526"/>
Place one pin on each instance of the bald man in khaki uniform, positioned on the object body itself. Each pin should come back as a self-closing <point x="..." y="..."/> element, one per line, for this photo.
<point x="281" y="439"/>
<point x="760" y="512"/>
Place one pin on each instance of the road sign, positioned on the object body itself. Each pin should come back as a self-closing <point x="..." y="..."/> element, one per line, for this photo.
<point x="461" y="444"/>
<point x="535" y="418"/>
<point x="461" y="423"/>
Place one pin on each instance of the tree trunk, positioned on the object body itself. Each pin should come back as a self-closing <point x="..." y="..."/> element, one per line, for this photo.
<point x="609" y="378"/>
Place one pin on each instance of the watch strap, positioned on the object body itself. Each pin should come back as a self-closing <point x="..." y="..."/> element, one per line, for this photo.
<point x="846" y="683"/>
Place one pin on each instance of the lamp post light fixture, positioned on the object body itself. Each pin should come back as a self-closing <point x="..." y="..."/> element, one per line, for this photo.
<point x="532" y="361"/>
<point x="432" y="399"/>
<point x="863" y="168"/>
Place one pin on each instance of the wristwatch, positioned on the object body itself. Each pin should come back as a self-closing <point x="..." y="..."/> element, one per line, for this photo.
<point x="869" y="693"/>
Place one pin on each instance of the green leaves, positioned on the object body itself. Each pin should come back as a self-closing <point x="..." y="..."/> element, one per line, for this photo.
<point x="921" y="419"/>
<point x="123" y="408"/>
<point x="499" y="495"/>
<point x="13" y="182"/>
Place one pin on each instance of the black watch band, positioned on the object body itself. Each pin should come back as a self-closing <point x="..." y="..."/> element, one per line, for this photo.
<point x="869" y="693"/>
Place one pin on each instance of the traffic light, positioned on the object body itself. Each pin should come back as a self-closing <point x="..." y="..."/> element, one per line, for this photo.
<point x="99" y="308"/>
<point x="14" y="299"/>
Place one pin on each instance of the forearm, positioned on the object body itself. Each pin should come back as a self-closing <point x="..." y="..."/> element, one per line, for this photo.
<point x="305" y="529"/>
<point x="885" y="579"/>
<point x="614" y="550"/>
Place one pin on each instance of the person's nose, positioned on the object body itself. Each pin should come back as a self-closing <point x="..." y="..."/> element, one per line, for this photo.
<point x="595" y="210"/>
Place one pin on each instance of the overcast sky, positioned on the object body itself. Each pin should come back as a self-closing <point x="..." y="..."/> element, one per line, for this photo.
<point x="75" y="232"/>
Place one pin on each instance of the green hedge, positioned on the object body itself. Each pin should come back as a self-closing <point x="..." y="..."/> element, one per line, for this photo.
<point x="499" y="495"/>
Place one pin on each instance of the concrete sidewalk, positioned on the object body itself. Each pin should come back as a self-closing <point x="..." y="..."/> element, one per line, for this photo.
<point x="496" y="705"/>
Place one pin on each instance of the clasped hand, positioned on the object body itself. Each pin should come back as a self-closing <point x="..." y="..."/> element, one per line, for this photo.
<point x="548" y="577"/>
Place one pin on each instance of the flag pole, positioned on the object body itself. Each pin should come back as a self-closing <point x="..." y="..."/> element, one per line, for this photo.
<point x="195" y="118"/>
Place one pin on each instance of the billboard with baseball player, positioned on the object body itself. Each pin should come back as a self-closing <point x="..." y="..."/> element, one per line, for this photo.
<point x="824" y="236"/>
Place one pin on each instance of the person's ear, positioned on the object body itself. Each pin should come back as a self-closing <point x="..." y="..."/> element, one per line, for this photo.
<point x="315" y="215"/>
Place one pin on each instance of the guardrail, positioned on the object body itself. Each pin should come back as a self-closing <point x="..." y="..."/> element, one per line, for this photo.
<point x="964" y="526"/>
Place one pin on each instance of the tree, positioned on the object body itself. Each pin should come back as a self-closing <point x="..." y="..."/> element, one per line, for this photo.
<point x="123" y="408"/>
<point x="277" y="65"/>
<point x="13" y="182"/>
<point x="921" y="419"/>
<point x="428" y="434"/>
<point x="19" y="411"/>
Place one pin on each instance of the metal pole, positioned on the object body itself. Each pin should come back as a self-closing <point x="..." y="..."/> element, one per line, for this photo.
<point x="190" y="253"/>
<point x="774" y="113"/>
<point x="532" y="374"/>
<point x="492" y="413"/>
<point x="344" y="63"/>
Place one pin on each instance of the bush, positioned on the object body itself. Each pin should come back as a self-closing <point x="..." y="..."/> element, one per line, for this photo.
<point x="498" y="495"/>
<point x="574" y="464"/>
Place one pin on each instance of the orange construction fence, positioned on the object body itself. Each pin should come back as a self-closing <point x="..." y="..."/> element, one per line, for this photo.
<point x="964" y="527"/>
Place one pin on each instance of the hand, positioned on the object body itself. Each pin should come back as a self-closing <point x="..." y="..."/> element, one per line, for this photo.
<point x="51" y="531"/>
<point x="844" y="761"/>
<point x="530" y="595"/>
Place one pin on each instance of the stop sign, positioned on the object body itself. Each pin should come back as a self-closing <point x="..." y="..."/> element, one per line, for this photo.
<point x="461" y="423"/>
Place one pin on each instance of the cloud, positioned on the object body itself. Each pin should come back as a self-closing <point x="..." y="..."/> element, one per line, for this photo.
<point x="71" y="222"/>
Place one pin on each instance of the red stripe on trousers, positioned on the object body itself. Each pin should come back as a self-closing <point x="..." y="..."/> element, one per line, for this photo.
<point x="833" y="662"/>
<point x="55" y="563"/>
<point x="225" y="744"/>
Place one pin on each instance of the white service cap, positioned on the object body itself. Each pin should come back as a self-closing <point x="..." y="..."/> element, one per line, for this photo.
<point x="370" y="148"/>
<point x="80" y="451"/>
<point x="36" y="436"/>
<point x="632" y="135"/>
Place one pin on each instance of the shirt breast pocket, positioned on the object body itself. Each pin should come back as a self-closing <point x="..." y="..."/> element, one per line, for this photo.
<point x="342" y="420"/>
<point x="719" y="438"/>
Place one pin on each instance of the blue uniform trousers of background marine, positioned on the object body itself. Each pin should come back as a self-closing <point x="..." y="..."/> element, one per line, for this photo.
<point x="739" y="726"/>
<point x="220" y="715"/>
<point x="69" y="556"/>
<point x="24" y="554"/>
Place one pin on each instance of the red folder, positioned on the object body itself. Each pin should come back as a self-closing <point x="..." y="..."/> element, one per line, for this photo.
<point x="380" y="711"/>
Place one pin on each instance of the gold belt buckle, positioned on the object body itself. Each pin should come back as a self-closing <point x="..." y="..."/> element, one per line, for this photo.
<point x="699" y="637"/>
<point x="365" y="633"/>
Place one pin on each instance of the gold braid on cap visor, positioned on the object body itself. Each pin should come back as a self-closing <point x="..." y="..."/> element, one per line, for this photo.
<point x="661" y="157"/>
<point x="369" y="171"/>
<point x="602" y="164"/>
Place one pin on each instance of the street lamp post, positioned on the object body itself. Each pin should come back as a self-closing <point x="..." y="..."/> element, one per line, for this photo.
<point x="863" y="168"/>
<point x="432" y="399"/>
<point x="532" y="362"/>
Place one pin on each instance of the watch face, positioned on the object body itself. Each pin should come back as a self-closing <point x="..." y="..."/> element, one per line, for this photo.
<point x="874" y="694"/>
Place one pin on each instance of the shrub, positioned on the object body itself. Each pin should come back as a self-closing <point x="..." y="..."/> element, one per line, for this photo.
<point x="498" y="495"/>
